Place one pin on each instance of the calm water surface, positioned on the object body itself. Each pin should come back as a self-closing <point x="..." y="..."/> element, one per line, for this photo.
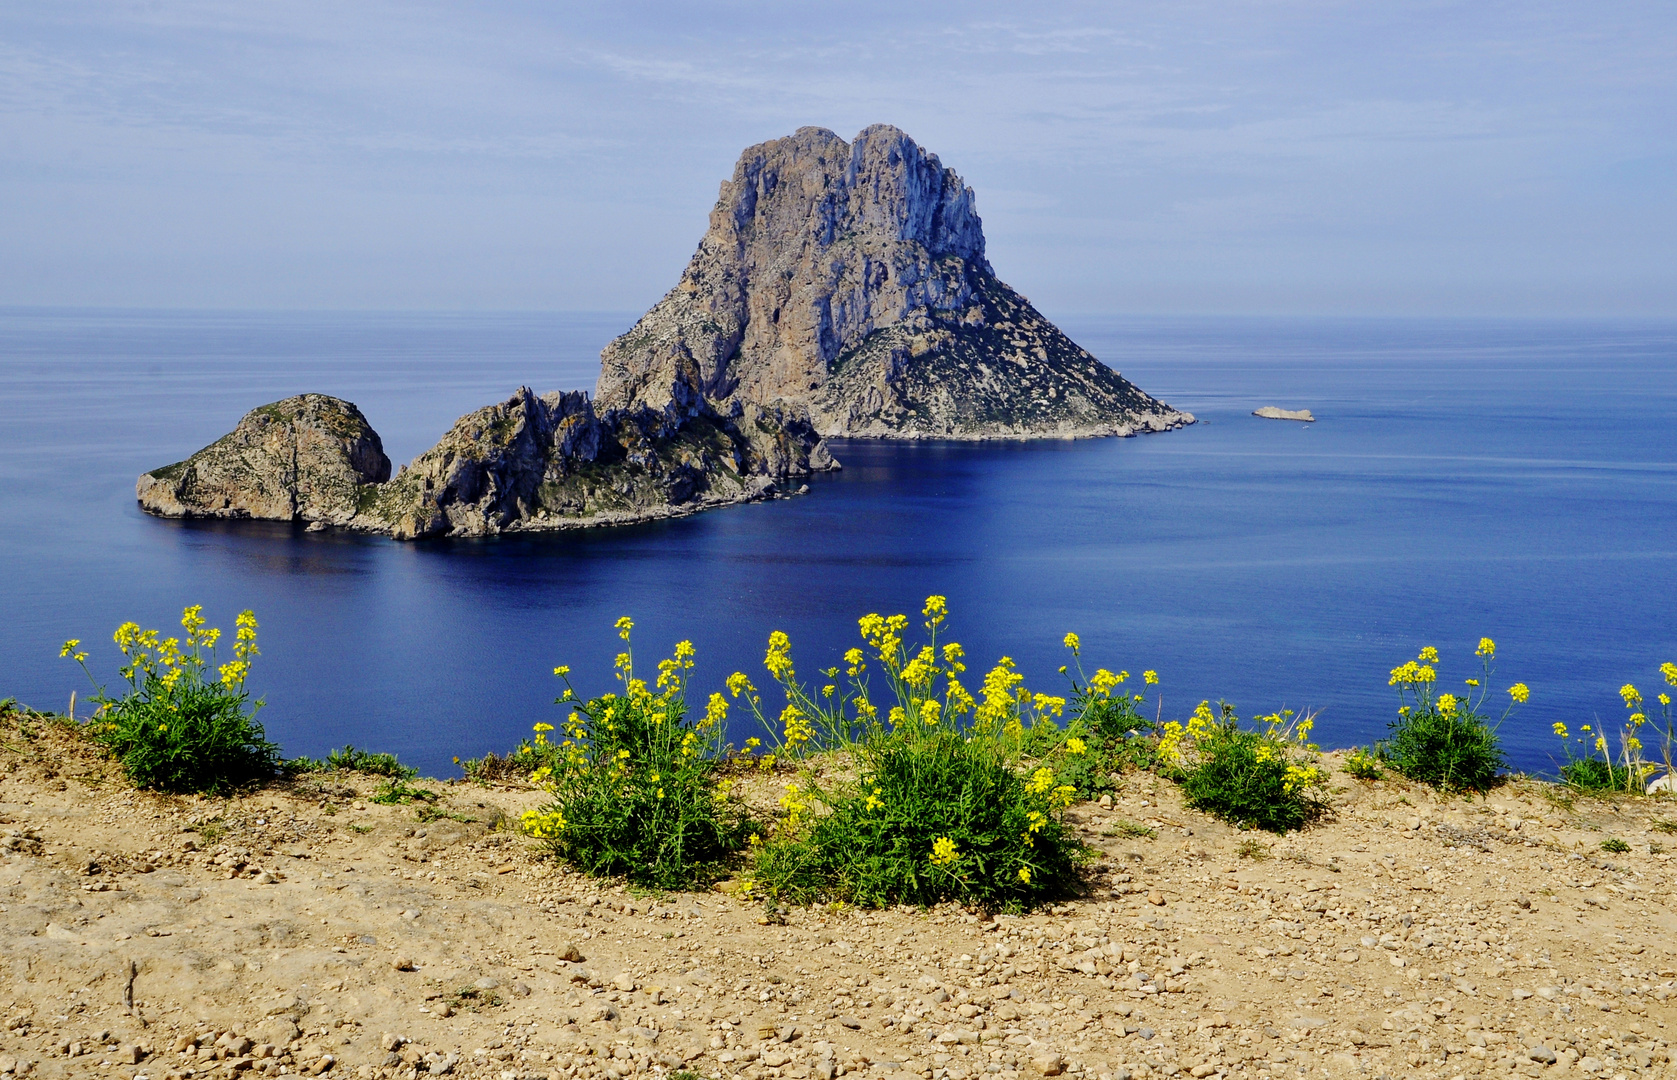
<point x="1510" y="479"/>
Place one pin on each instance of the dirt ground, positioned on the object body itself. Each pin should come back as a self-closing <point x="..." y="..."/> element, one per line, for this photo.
<point x="306" y="929"/>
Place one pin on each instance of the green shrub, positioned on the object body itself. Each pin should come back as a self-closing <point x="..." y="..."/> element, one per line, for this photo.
<point x="1105" y="735"/>
<point x="1363" y="764"/>
<point x="398" y="792"/>
<point x="1595" y="774"/>
<point x="939" y="802"/>
<point x="1267" y="779"/>
<point x="349" y="759"/>
<point x="934" y="816"/>
<point x="1614" y="846"/>
<point x="1442" y="739"/>
<point x="633" y="782"/>
<point x="181" y="726"/>
<point x="1592" y="764"/>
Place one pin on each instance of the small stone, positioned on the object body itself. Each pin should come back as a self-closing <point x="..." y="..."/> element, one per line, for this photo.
<point x="1520" y="993"/>
<point x="850" y="1022"/>
<point x="1049" y="1065"/>
<point x="568" y="952"/>
<point x="1156" y="898"/>
<point x="520" y="989"/>
<point x="624" y="983"/>
<point x="402" y="963"/>
<point x="128" y="1054"/>
<point x="487" y="983"/>
<point x="1348" y="956"/>
<point x="1106" y="802"/>
<point x="1199" y="1072"/>
<point x="1543" y="1055"/>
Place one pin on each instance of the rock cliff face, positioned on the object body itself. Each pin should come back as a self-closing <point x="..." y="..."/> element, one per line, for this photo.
<point x="307" y="458"/>
<point x="529" y="463"/>
<point x="850" y="279"/>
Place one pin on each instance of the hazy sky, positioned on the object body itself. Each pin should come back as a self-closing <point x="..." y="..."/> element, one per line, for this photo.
<point x="1477" y="157"/>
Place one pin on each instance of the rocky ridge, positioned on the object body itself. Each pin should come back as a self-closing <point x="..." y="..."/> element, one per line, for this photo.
<point x="305" y="929"/>
<point x="532" y="462"/>
<point x="850" y="279"/>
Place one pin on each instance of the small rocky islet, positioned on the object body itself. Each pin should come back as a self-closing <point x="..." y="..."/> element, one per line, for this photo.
<point x="841" y="290"/>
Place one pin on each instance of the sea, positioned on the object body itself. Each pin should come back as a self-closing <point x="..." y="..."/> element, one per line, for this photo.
<point x="1510" y="479"/>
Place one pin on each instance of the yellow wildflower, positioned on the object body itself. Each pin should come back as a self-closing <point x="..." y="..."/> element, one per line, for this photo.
<point x="1560" y="729"/>
<point x="1486" y="649"/>
<point x="624" y="625"/>
<point x="1103" y="682"/>
<point x="1429" y="655"/>
<point x="1072" y="642"/>
<point x="1151" y="678"/>
<point x="1520" y="693"/>
<point x="1632" y="696"/>
<point x="944" y="851"/>
<point x="1076" y="746"/>
<point x="936" y="610"/>
<point x="1025" y="874"/>
<point x="779" y="657"/>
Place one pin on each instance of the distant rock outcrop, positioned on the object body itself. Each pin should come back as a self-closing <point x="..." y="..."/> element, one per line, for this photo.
<point x="1270" y="412"/>
<point x="307" y="458"/>
<point x="850" y="279"/>
<point x="549" y="462"/>
<point x="530" y="463"/>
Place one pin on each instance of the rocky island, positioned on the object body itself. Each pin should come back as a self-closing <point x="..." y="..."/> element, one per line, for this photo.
<point x="1271" y="412"/>
<point x="841" y="290"/>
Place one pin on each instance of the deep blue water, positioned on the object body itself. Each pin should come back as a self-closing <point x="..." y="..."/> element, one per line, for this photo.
<point x="1465" y="478"/>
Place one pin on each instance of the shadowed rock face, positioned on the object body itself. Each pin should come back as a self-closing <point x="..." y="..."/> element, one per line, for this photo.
<point x="307" y="458"/>
<point x="850" y="279"/>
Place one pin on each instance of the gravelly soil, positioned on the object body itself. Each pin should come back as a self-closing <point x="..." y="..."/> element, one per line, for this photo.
<point x="305" y="929"/>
